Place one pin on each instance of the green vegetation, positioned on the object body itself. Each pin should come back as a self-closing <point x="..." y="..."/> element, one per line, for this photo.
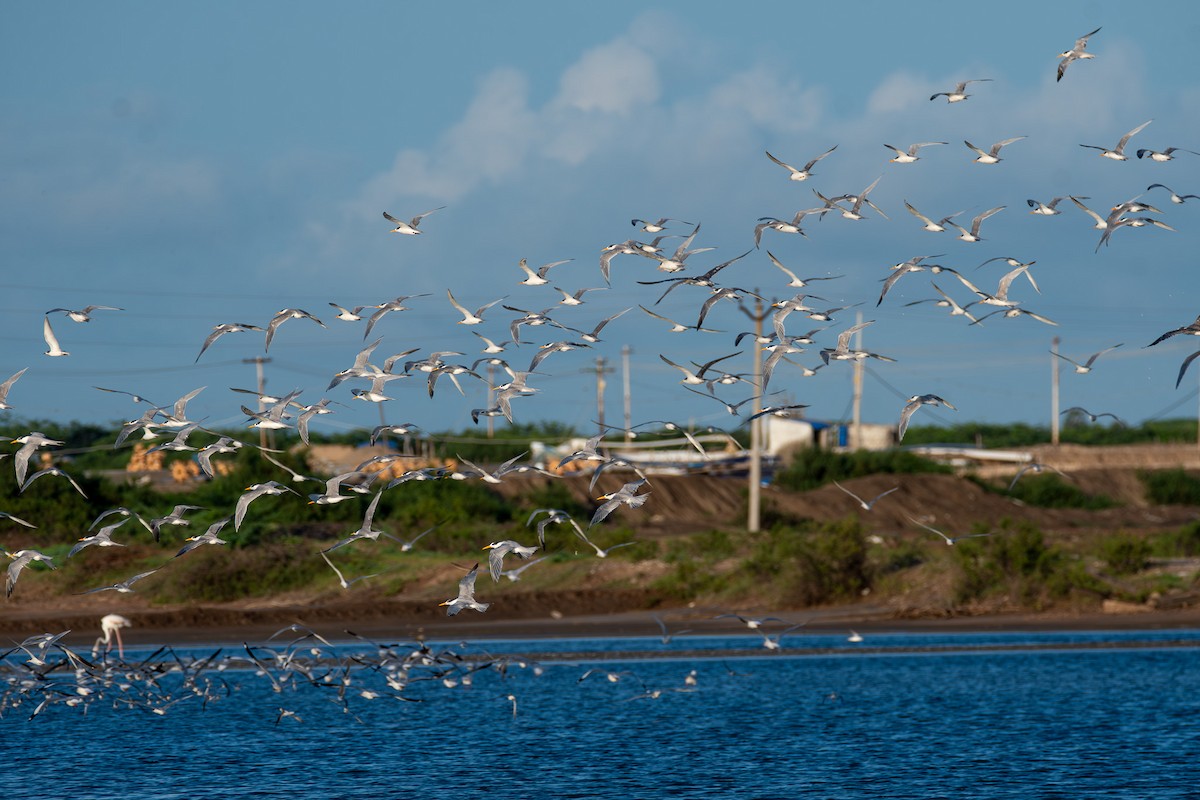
<point x="814" y="468"/>
<point x="794" y="562"/>
<point x="1048" y="490"/>
<point x="1124" y="553"/>
<point x="1075" y="430"/>
<point x="1181" y="543"/>
<point x="1171" y="487"/>
<point x="820" y="564"/>
<point x="1015" y="560"/>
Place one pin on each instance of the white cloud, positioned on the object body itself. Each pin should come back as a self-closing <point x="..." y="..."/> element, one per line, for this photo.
<point x="614" y="78"/>
<point x="491" y="140"/>
<point x="899" y="92"/>
<point x="762" y="97"/>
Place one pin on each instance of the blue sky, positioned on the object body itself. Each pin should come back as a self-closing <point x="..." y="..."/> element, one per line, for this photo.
<point x="213" y="164"/>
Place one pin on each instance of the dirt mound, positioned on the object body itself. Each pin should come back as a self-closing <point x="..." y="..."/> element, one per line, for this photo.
<point x="687" y="504"/>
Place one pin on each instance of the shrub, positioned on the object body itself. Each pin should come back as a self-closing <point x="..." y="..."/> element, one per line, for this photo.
<point x="1015" y="560"/>
<point x="1051" y="491"/>
<point x="1181" y="543"/>
<point x="816" y="564"/>
<point x="814" y="468"/>
<point x="1171" y="487"/>
<point x="1124" y="553"/>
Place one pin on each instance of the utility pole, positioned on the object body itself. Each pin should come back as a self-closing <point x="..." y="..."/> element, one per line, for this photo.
<point x="856" y="438"/>
<point x="602" y="369"/>
<point x="754" y="511"/>
<point x="1054" y="390"/>
<point x="491" y="396"/>
<point x="625" y="351"/>
<point x="258" y="362"/>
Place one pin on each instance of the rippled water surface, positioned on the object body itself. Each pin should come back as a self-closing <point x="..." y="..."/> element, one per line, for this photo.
<point x="948" y="722"/>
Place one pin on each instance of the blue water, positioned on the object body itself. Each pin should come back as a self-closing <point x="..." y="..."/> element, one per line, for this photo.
<point x="954" y="723"/>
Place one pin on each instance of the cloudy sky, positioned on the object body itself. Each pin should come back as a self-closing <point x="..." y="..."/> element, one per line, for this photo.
<point x="216" y="163"/>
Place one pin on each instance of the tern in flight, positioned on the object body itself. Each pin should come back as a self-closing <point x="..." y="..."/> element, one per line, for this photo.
<point x="102" y="538"/>
<point x="656" y="227"/>
<point x="796" y="282"/>
<point x="930" y="225"/>
<point x="960" y="91"/>
<point x="950" y="540"/>
<point x="4" y="387"/>
<point x="1035" y="468"/>
<point x="173" y="518"/>
<point x="866" y="505"/>
<point x="1075" y="53"/>
<point x="468" y="317"/>
<point x="409" y="228"/>
<point x="538" y="278"/>
<point x="283" y="316"/>
<point x="254" y="492"/>
<point x="1191" y="329"/>
<point x="1085" y="367"/>
<point x="1093" y="417"/>
<point x="625" y="495"/>
<point x="210" y="536"/>
<point x="1177" y="199"/>
<point x="1163" y="155"/>
<point x="345" y="584"/>
<point x="915" y="402"/>
<point x="992" y="156"/>
<point x="20" y="560"/>
<point x="503" y="548"/>
<point x="30" y="442"/>
<point x="972" y="235"/>
<point x="1045" y="209"/>
<point x="910" y="155"/>
<point x="51" y="340"/>
<point x="801" y="174"/>
<point x="122" y="587"/>
<point x="1118" y="153"/>
<point x="466" y="596"/>
<point x="697" y="377"/>
<point x="83" y="315"/>
<point x="222" y="329"/>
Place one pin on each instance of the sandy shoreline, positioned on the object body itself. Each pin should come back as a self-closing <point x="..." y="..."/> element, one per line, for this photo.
<point x="158" y="628"/>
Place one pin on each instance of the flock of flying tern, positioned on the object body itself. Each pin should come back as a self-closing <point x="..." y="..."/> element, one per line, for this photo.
<point x="287" y="412"/>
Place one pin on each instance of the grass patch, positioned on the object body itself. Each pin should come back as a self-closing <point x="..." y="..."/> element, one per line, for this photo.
<point x="1015" y="561"/>
<point x="1181" y="543"/>
<point x="1048" y="490"/>
<point x="216" y="575"/>
<point x="815" y="468"/>
<point x="817" y="564"/>
<point x="1171" y="487"/>
<point x="1124" y="553"/>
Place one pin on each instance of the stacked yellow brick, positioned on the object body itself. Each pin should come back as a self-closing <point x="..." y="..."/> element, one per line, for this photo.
<point x="395" y="469"/>
<point x="141" y="461"/>
<point x="184" y="471"/>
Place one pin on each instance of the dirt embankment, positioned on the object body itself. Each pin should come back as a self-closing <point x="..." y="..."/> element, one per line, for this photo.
<point x="678" y="506"/>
